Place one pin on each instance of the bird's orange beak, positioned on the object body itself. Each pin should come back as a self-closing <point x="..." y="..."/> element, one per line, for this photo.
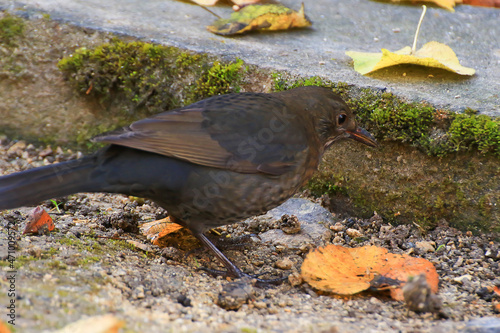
<point x="363" y="136"/>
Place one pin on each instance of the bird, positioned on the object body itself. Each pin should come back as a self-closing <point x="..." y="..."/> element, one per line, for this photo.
<point x="214" y="162"/>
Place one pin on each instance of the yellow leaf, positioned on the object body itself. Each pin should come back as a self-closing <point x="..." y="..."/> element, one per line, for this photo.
<point x="260" y="17"/>
<point x="348" y="271"/>
<point x="432" y="54"/>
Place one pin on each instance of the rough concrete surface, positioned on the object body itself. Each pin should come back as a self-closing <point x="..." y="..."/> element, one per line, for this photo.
<point x="359" y="25"/>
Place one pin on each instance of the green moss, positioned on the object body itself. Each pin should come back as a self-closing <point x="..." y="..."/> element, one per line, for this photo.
<point x="141" y="73"/>
<point x="56" y="264"/>
<point x="147" y="77"/>
<point x="282" y="83"/>
<point x="11" y="28"/>
<point x="84" y="244"/>
<point x="88" y="260"/>
<point x="219" y="79"/>
<point x="331" y="185"/>
<point x="471" y="131"/>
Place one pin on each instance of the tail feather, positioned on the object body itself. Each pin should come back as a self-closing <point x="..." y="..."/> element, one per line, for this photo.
<point x="32" y="186"/>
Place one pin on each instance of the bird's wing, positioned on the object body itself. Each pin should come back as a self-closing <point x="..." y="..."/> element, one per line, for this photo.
<point x="247" y="133"/>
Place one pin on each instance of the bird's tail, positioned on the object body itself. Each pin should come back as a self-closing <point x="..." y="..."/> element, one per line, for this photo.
<point x="32" y="186"/>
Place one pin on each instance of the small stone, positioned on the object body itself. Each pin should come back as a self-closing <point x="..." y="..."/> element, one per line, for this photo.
<point x="419" y="297"/>
<point x="234" y="295"/>
<point x="295" y="279"/>
<point x="354" y="233"/>
<point x="337" y="227"/>
<point x="459" y="262"/>
<point x="462" y="279"/>
<point x="46" y="152"/>
<point x="260" y="305"/>
<point x="284" y="263"/>
<point x="426" y="246"/>
<point x="138" y="293"/>
<point x="16" y="148"/>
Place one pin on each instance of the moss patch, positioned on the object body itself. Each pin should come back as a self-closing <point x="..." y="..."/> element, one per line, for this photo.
<point x="11" y="29"/>
<point x="147" y="76"/>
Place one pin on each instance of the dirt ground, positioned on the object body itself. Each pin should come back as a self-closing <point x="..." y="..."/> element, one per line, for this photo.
<point x="87" y="268"/>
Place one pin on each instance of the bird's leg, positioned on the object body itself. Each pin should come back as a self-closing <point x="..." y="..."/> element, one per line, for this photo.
<point x="231" y="269"/>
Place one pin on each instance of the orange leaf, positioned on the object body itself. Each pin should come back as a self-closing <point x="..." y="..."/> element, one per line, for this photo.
<point x="39" y="221"/>
<point x="496" y="289"/>
<point x="483" y="3"/>
<point x="348" y="271"/>
<point x="3" y="327"/>
<point x="166" y="233"/>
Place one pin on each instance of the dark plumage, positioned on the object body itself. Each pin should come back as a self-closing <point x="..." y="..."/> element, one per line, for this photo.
<point x="211" y="163"/>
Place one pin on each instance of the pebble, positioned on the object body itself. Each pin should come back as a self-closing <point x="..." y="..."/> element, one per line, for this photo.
<point x="235" y="294"/>
<point x="284" y="263"/>
<point x="337" y="227"/>
<point x="353" y="233"/>
<point x="461" y="279"/>
<point x="426" y="246"/>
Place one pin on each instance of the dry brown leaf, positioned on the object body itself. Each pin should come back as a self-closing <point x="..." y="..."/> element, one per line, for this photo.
<point x="348" y="271"/>
<point x="165" y="233"/>
<point x="39" y="221"/>
<point x="260" y="17"/>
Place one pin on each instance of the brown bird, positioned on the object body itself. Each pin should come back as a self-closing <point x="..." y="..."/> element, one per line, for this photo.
<point x="211" y="163"/>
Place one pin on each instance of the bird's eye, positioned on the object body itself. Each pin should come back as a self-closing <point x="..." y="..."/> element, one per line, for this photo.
<point x="342" y="118"/>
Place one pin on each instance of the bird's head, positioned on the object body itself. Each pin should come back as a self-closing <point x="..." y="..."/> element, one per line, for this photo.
<point x="333" y="119"/>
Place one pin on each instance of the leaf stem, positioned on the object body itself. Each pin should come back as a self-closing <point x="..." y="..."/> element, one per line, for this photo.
<point x="414" y="47"/>
<point x="211" y="12"/>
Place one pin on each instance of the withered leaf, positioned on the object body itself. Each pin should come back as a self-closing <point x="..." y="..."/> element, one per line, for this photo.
<point x="260" y="17"/>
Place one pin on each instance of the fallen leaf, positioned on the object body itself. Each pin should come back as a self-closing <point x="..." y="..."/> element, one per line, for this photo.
<point x="347" y="271"/>
<point x="159" y="228"/>
<point x="96" y="324"/>
<point x="3" y="327"/>
<point x="260" y="17"/>
<point x="39" y="221"/>
<point x="432" y="54"/>
<point x="483" y="3"/>
<point x="165" y="233"/>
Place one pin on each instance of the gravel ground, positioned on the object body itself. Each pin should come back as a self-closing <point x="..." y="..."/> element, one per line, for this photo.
<point x="87" y="268"/>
